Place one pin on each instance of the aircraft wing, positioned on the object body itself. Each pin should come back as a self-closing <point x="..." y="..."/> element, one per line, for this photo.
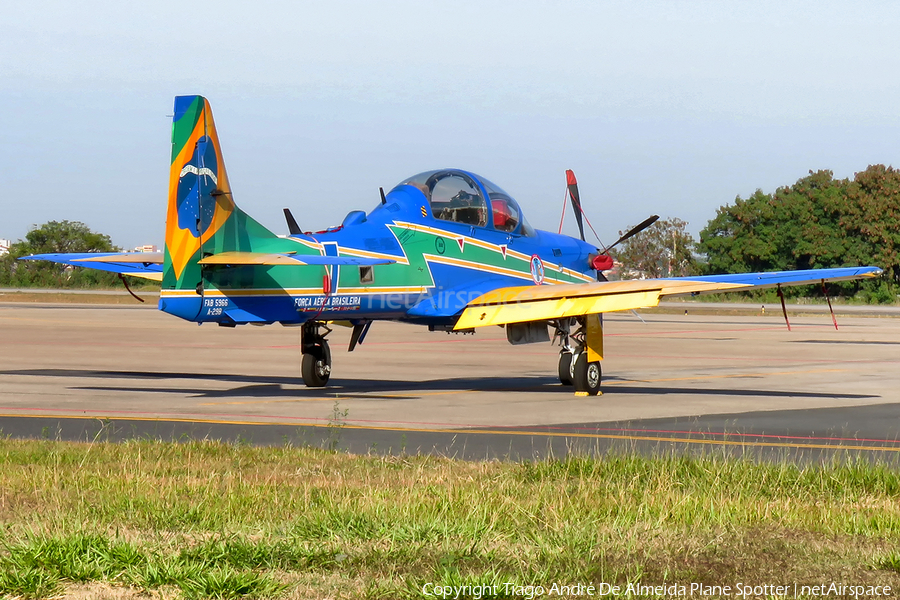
<point x="263" y="258"/>
<point x="147" y="265"/>
<point x="538" y="303"/>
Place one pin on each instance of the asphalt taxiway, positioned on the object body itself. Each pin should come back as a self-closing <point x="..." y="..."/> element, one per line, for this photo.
<point x="702" y="383"/>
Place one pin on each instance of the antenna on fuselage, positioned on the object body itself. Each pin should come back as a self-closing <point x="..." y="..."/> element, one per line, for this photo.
<point x="383" y="199"/>
<point x="293" y="228"/>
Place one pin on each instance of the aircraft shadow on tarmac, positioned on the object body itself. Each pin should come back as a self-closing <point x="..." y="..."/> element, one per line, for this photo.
<point x="258" y="386"/>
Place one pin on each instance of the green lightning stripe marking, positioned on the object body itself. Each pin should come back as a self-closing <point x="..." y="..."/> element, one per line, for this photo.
<point x="483" y="261"/>
<point x="468" y="264"/>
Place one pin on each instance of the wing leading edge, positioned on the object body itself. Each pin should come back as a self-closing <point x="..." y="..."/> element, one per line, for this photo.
<point x="536" y="303"/>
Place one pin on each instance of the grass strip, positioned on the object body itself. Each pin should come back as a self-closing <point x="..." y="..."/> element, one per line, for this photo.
<point x="213" y="520"/>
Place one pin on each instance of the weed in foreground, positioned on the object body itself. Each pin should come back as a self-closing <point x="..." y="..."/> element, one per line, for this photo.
<point x="80" y="557"/>
<point x="890" y="562"/>
<point x="37" y="566"/>
<point x="228" y="583"/>
<point x="336" y="423"/>
<point x="27" y="582"/>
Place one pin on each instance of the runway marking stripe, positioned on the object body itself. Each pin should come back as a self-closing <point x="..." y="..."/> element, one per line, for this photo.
<point x="732" y="434"/>
<point x="641" y="438"/>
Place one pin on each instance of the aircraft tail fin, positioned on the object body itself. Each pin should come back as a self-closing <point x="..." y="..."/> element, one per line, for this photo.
<point x="202" y="218"/>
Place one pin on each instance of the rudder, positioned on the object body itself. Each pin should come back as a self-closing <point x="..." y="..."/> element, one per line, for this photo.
<point x="202" y="218"/>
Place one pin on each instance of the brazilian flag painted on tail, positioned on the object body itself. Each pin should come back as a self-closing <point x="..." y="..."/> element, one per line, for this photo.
<point x="202" y="217"/>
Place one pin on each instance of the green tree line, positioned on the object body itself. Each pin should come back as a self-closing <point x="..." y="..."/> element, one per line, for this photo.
<point x="56" y="237"/>
<point x="818" y="222"/>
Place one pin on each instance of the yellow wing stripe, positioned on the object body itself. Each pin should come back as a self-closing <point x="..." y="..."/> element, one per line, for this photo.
<point x="539" y="303"/>
<point x="154" y="258"/>
<point x="146" y="275"/>
<point x="531" y="293"/>
<point x="541" y="310"/>
<point x="248" y="258"/>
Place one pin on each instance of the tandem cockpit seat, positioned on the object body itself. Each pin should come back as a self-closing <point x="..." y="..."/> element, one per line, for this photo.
<point x="463" y="197"/>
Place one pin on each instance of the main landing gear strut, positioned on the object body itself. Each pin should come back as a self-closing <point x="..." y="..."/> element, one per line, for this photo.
<point x="316" y="362"/>
<point x="579" y="365"/>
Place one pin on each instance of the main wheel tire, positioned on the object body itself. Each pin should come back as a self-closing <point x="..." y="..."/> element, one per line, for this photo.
<point x="316" y="367"/>
<point x="565" y="368"/>
<point x="586" y="375"/>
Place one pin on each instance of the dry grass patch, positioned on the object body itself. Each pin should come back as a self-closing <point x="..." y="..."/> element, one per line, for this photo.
<point x="105" y="591"/>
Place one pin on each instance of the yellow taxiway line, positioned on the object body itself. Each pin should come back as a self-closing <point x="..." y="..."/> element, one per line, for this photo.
<point x="489" y="431"/>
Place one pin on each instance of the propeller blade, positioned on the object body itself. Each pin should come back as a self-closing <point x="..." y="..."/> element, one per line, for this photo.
<point x="293" y="228"/>
<point x="572" y="185"/>
<point x="634" y="231"/>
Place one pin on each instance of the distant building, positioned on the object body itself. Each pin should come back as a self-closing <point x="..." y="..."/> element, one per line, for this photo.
<point x="146" y="248"/>
<point x="4" y="247"/>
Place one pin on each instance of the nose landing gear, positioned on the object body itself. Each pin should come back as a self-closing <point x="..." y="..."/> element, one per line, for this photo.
<point x="315" y="364"/>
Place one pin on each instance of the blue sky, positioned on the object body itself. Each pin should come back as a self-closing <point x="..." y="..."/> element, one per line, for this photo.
<point x="671" y="107"/>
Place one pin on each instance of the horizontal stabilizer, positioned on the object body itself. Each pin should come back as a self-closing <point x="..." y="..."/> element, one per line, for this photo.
<point x="146" y="265"/>
<point x="263" y="258"/>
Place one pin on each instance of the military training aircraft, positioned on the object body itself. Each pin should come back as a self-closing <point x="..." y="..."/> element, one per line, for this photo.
<point x="446" y="249"/>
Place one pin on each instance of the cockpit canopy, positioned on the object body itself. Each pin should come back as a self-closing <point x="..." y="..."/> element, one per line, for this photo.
<point x="463" y="197"/>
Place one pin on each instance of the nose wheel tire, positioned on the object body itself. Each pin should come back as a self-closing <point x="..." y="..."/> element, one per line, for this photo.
<point x="586" y="375"/>
<point x="565" y="368"/>
<point x="316" y="366"/>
